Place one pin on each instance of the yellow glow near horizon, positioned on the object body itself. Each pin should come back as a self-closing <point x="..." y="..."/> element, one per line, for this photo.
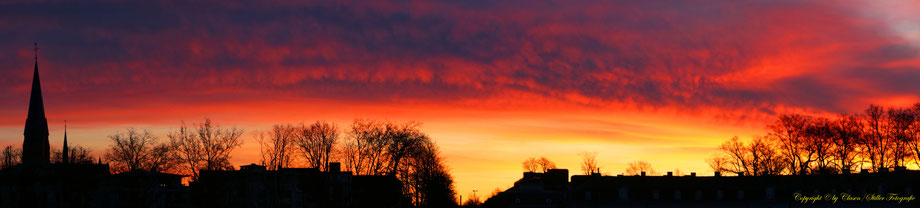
<point x="483" y="148"/>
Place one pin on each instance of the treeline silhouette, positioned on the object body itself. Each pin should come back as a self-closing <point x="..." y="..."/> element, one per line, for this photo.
<point x="188" y="150"/>
<point x="877" y="139"/>
<point x="366" y="147"/>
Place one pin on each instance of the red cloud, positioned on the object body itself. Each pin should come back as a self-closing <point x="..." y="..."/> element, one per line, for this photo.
<point x="672" y="55"/>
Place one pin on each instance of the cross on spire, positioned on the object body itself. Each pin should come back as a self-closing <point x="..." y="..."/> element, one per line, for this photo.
<point x="36" y="51"/>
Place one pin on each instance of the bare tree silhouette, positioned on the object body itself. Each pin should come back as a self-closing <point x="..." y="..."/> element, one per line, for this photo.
<point x="914" y="135"/>
<point x="276" y="145"/>
<point x="818" y="143"/>
<point x="718" y="163"/>
<point x="365" y="148"/>
<point x="589" y="163"/>
<point x="877" y="138"/>
<point x="876" y="143"/>
<point x="900" y="122"/>
<point x="789" y="131"/>
<point x="385" y="148"/>
<point x="138" y="150"/>
<point x="530" y="165"/>
<point x="206" y="147"/>
<point x="545" y="164"/>
<point x="738" y="159"/>
<point x="427" y="179"/>
<point x="316" y="143"/>
<point x="637" y="167"/>
<point x="10" y="157"/>
<point x="847" y="131"/>
<point x="541" y="164"/>
<point x="757" y="158"/>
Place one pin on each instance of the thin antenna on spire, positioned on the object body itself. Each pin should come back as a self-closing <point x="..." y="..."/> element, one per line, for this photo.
<point x="36" y="51"/>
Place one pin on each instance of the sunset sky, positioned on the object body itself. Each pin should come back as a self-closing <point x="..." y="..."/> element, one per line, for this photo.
<point x="493" y="82"/>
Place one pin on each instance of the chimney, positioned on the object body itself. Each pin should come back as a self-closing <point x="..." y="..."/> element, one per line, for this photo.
<point x="335" y="167"/>
<point x="670" y="173"/>
<point x="717" y="174"/>
<point x="740" y="174"/>
<point x="692" y="174"/>
<point x="864" y="171"/>
<point x="643" y="173"/>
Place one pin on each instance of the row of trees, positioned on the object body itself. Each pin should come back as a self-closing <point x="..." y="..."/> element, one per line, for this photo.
<point x="188" y="150"/>
<point x="366" y="147"/>
<point x="798" y="144"/>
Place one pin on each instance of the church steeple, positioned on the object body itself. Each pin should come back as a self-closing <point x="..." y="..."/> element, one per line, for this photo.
<point x="36" y="105"/>
<point x="65" y="153"/>
<point x="35" y="144"/>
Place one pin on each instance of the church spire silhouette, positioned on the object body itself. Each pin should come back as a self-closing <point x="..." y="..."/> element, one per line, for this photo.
<point x="65" y="152"/>
<point x="35" y="146"/>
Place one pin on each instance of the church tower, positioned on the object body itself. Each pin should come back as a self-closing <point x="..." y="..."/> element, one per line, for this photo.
<point x="35" y="144"/>
<point x="65" y="154"/>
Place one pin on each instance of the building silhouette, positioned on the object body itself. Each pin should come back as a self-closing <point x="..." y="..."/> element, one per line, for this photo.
<point x="537" y="190"/>
<point x="254" y="186"/>
<point x="883" y="188"/>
